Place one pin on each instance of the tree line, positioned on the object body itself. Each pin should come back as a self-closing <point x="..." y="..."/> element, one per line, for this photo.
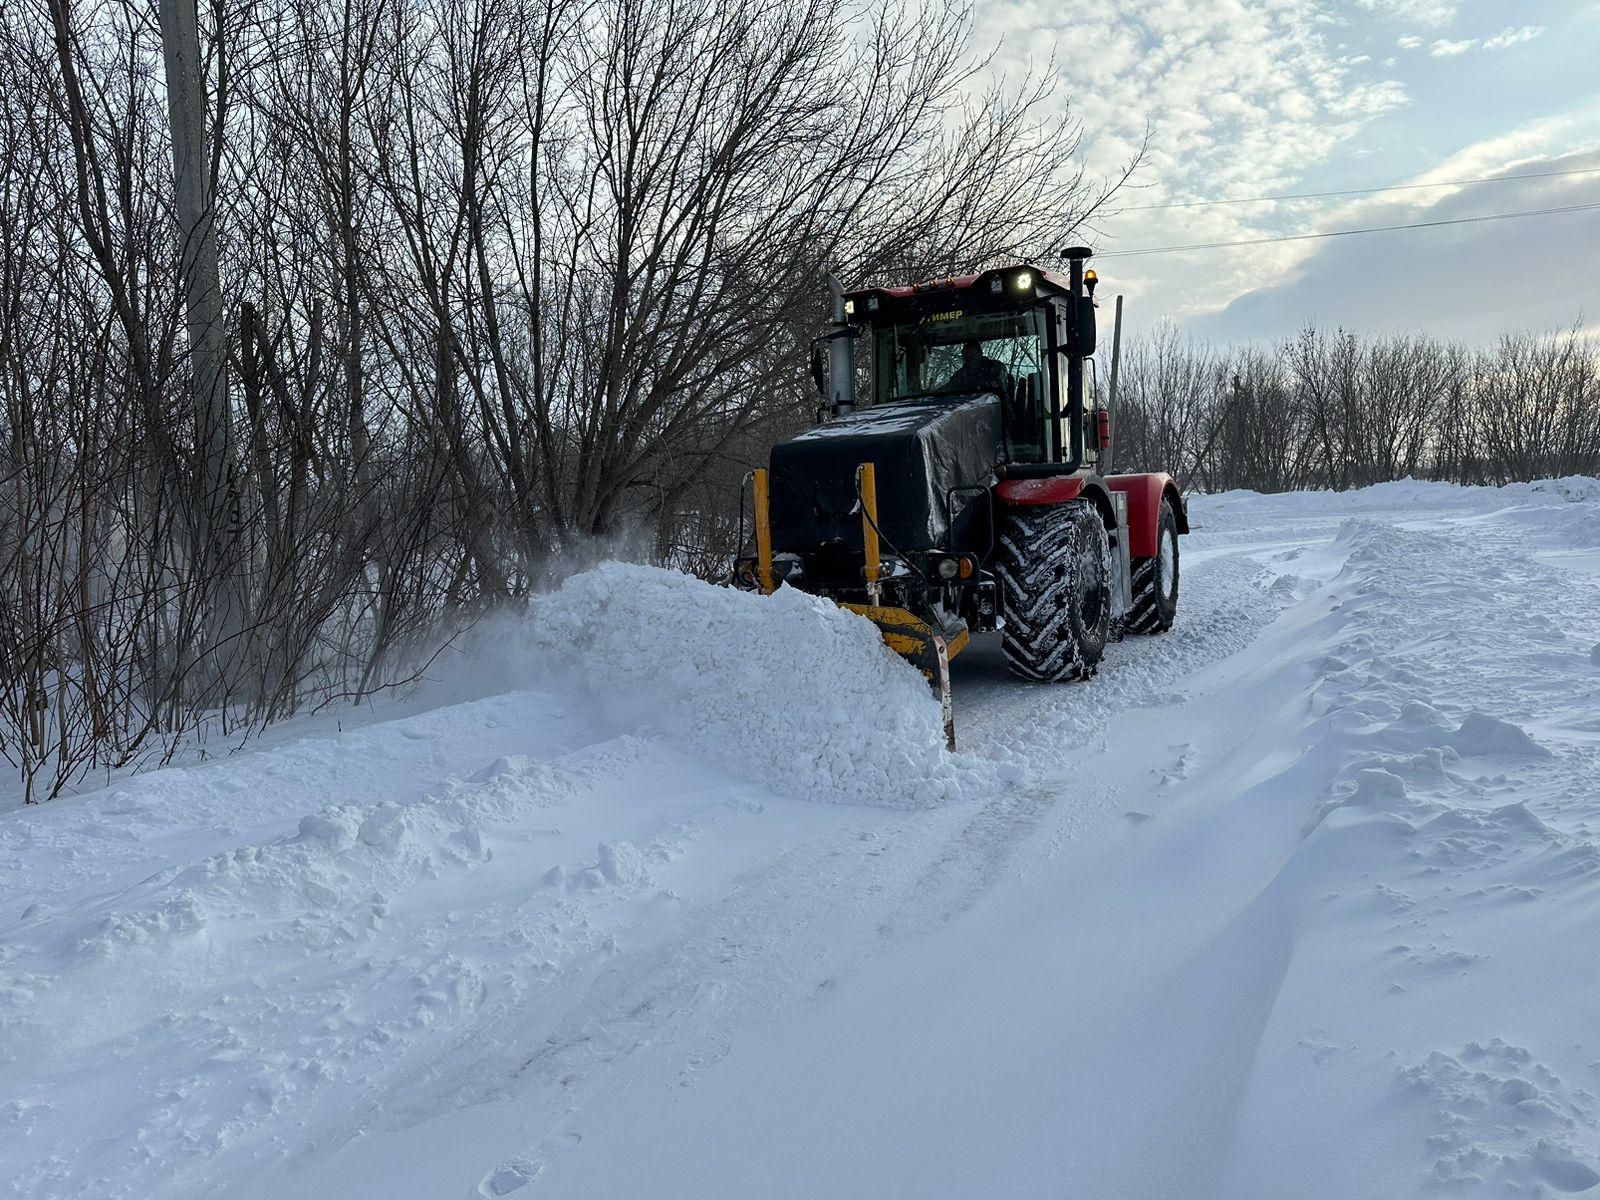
<point x="1331" y="409"/>
<point x="327" y="325"/>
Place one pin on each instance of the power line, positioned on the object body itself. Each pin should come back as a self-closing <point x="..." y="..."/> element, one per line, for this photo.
<point x="1393" y="187"/>
<point x="1334" y="233"/>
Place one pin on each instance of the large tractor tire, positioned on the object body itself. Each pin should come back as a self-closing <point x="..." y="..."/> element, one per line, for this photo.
<point x="1155" y="580"/>
<point x="1054" y="568"/>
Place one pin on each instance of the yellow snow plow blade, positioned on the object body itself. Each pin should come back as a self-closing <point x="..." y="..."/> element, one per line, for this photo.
<point x="923" y="646"/>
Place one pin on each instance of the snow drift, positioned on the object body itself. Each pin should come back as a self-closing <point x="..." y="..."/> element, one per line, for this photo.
<point x="786" y="689"/>
<point x="1298" y="900"/>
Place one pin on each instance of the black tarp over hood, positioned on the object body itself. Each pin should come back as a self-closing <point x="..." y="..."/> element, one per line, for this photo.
<point x="921" y="450"/>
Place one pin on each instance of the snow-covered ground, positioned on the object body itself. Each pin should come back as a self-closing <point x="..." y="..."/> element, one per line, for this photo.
<point x="673" y="893"/>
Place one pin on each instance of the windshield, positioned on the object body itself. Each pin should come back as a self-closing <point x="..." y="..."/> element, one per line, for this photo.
<point x="958" y="353"/>
<point x="955" y="353"/>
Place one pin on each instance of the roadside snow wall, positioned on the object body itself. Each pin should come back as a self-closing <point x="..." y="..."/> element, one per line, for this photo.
<point x="786" y="689"/>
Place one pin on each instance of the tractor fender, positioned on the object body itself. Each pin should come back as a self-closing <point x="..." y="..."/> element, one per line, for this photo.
<point x="1058" y="489"/>
<point x="1145" y="493"/>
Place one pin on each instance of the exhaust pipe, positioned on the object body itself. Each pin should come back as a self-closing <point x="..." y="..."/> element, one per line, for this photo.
<point x="841" y="354"/>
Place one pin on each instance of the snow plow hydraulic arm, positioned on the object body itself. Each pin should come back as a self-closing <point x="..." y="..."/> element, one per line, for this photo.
<point x="763" y="530"/>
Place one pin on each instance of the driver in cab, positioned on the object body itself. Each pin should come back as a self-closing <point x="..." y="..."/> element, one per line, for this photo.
<point x="977" y="372"/>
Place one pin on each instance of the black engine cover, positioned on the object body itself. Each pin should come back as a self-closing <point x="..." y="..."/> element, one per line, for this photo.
<point x="920" y="449"/>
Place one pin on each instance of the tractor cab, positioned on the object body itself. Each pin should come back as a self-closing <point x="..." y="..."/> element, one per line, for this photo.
<point x="1011" y="332"/>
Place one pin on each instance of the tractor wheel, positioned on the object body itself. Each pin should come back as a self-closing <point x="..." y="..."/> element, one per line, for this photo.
<point x="1155" y="580"/>
<point x="1054" y="569"/>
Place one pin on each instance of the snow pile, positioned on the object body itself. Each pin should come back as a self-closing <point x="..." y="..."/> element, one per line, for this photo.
<point x="786" y="689"/>
<point x="333" y="881"/>
<point x="1574" y="489"/>
<point x="1483" y="734"/>
<point x="1503" y="1119"/>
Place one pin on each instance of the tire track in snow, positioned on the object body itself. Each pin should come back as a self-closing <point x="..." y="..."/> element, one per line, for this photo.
<point x="792" y="927"/>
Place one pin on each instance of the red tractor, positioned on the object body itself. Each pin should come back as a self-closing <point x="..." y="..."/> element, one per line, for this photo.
<point x="971" y="491"/>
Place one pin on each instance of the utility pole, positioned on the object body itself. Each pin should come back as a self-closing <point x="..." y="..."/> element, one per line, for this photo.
<point x="215" y="524"/>
<point x="1111" y="392"/>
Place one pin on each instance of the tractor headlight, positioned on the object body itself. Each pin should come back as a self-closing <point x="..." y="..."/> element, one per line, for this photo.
<point x="950" y="567"/>
<point x="1023" y="280"/>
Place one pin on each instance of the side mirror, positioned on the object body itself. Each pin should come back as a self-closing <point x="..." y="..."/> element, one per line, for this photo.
<point x="1084" y="334"/>
<point x="819" y="368"/>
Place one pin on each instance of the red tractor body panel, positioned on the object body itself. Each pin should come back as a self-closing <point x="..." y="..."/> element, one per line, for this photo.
<point x="1055" y="489"/>
<point x="1145" y="493"/>
<point x="1058" y="489"/>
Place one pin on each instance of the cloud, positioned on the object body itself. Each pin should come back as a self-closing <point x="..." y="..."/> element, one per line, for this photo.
<point x="1238" y="99"/>
<point x="1445" y="48"/>
<point x="1511" y="37"/>
<point x="1433" y="13"/>
<point x="1250" y="98"/>
<point x="1468" y="281"/>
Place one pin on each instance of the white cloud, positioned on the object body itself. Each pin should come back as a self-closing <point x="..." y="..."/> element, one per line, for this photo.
<point x="1251" y="98"/>
<point x="1526" y="149"/>
<point x="1446" y="48"/>
<point x="1417" y="280"/>
<point x="1511" y="36"/>
<point x="1433" y="13"/>
<point x="1474" y="282"/>
<point x="1240" y="98"/>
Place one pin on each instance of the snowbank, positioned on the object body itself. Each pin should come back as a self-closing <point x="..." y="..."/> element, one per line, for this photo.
<point x="1413" y="496"/>
<point x="1331" y="842"/>
<point x="786" y="689"/>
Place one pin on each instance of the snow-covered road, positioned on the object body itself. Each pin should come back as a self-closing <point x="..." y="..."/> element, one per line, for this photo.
<point x="673" y="893"/>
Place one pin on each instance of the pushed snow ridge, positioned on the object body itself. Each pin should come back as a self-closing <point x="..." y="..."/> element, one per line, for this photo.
<point x="787" y="689"/>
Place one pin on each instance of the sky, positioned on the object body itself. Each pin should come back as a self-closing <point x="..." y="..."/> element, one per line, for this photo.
<point x="1246" y="98"/>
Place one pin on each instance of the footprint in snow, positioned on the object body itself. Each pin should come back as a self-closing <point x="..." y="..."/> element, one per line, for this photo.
<point x="509" y="1176"/>
<point x="520" y="1170"/>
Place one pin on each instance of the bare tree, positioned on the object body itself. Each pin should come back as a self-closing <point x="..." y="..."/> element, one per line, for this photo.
<point x="1333" y="411"/>
<point x="331" y="323"/>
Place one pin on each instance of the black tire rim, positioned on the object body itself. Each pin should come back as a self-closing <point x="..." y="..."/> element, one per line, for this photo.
<point x="1167" y="563"/>
<point x="1091" y="587"/>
